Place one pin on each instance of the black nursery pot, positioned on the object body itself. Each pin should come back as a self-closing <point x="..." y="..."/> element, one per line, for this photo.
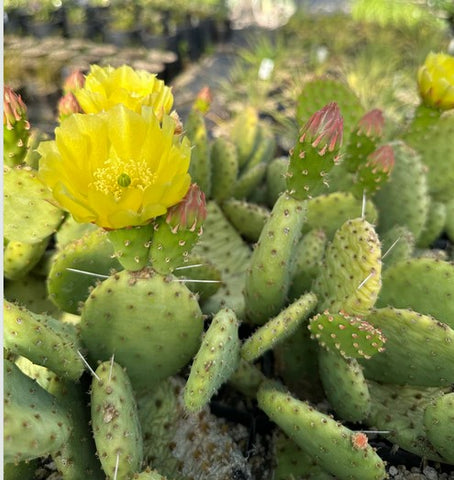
<point x="96" y="19"/>
<point x="16" y="21"/>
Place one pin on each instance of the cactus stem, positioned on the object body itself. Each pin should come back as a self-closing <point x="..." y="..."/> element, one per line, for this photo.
<point x="371" y="274"/>
<point x="390" y="248"/>
<point x="87" y="273"/>
<point x="88" y="366"/>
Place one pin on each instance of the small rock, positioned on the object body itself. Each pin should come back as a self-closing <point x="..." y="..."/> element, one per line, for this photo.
<point x="430" y="473"/>
<point x="393" y="471"/>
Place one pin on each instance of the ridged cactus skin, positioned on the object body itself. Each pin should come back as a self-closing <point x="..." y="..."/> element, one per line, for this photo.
<point x="431" y="294"/>
<point x="268" y="276"/>
<point x="215" y="361"/>
<point x="399" y="410"/>
<point x="332" y="444"/>
<point x="329" y="212"/>
<point x="419" y="349"/>
<point x="43" y="339"/>
<point x="93" y="254"/>
<point x="35" y="424"/>
<point x="29" y="215"/>
<point x="351" y="337"/>
<point x="115" y="422"/>
<point x="344" y="384"/>
<point x="350" y="278"/>
<point x="152" y="323"/>
<point x="439" y="425"/>
<point x="404" y="199"/>
<point x="278" y="328"/>
<point x="247" y="218"/>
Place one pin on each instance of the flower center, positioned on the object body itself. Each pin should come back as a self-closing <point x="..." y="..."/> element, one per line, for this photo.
<point x="115" y="176"/>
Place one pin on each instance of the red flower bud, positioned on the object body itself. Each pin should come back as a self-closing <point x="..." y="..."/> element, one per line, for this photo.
<point x="74" y="81"/>
<point x="382" y="160"/>
<point x="372" y="124"/>
<point x="324" y="129"/>
<point x="203" y="100"/>
<point x="14" y="108"/>
<point x="190" y="213"/>
<point x="68" y="105"/>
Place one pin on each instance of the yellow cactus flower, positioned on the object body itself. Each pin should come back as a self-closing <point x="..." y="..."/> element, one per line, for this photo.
<point x="436" y="81"/>
<point x="117" y="168"/>
<point x="106" y="87"/>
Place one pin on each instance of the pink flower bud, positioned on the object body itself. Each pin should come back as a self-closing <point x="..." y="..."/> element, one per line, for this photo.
<point x="14" y="108"/>
<point x="382" y="160"/>
<point x="203" y="100"/>
<point x="190" y="213"/>
<point x="74" y="81"/>
<point x="372" y="124"/>
<point x="324" y="129"/>
<point x="68" y="105"/>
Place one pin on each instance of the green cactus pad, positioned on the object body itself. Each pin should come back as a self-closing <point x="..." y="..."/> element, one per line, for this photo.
<point x="148" y="474"/>
<point x="439" y="425"/>
<point x="307" y="261"/>
<point x="329" y="212"/>
<point x="265" y="148"/>
<point x="245" y="134"/>
<point x="71" y="230"/>
<point x="224" y="164"/>
<point x="131" y="245"/>
<point x="449" y="226"/>
<point x="344" y="384"/>
<point x="404" y="199"/>
<point x="29" y="215"/>
<point x="352" y="337"/>
<point x="430" y="134"/>
<point x="35" y="425"/>
<point x="43" y="340"/>
<point x="275" y="179"/>
<point x="150" y="322"/>
<point x="76" y="459"/>
<point x="332" y="444"/>
<point x="21" y="470"/>
<point x="292" y="462"/>
<point x="247" y="218"/>
<point x="399" y="410"/>
<point x="42" y="375"/>
<point x="350" y="278"/>
<point x="215" y="361"/>
<point x="92" y="258"/>
<point x="419" y="349"/>
<point x="249" y="181"/>
<point x="318" y="92"/>
<point x="19" y="258"/>
<point x="200" y="166"/>
<point x="247" y="378"/>
<point x="435" y="223"/>
<point x="398" y="244"/>
<point x="268" y="276"/>
<point x="279" y="328"/>
<point x="425" y="285"/>
<point x="115" y="422"/>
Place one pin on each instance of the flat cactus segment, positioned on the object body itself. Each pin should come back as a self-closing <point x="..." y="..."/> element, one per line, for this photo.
<point x="404" y="199"/>
<point x="332" y="444"/>
<point x="293" y="462"/>
<point x="318" y="92"/>
<point x="398" y="244"/>
<point x="215" y="361"/>
<point x="449" y="226"/>
<point x="76" y="459"/>
<point x="351" y="337"/>
<point x="224" y="164"/>
<point x="70" y="230"/>
<point x="92" y="259"/>
<point x="434" y="226"/>
<point x="19" y="258"/>
<point x="249" y="181"/>
<point x="425" y="285"/>
<point x="247" y="378"/>
<point x="42" y="339"/>
<point x="344" y="384"/>
<point x="115" y="422"/>
<point x="350" y="278"/>
<point x="307" y="261"/>
<point x="35" y="425"/>
<point x="430" y="134"/>
<point x="278" y="328"/>
<point x="439" y="425"/>
<point x="248" y="218"/>
<point x="329" y="212"/>
<point x="152" y="323"/>
<point x="21" y="470"/>
<point x="245" y="134"/>
<point x="275" y="179"/>
<point x="419" y="349"/>
<point x="29" y="215"/>
<point x="399" y="410"/>
<point x="268" y="276"/>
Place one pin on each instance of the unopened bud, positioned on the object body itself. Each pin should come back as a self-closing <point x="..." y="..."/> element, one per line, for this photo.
<point x="73" y="81"/>
<point x="372" y="124"/>
<point x="68" y="105"/>
<point x="14" y="108"/>
<point x="203" y="101"/>
<point x="190" y="213"/>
